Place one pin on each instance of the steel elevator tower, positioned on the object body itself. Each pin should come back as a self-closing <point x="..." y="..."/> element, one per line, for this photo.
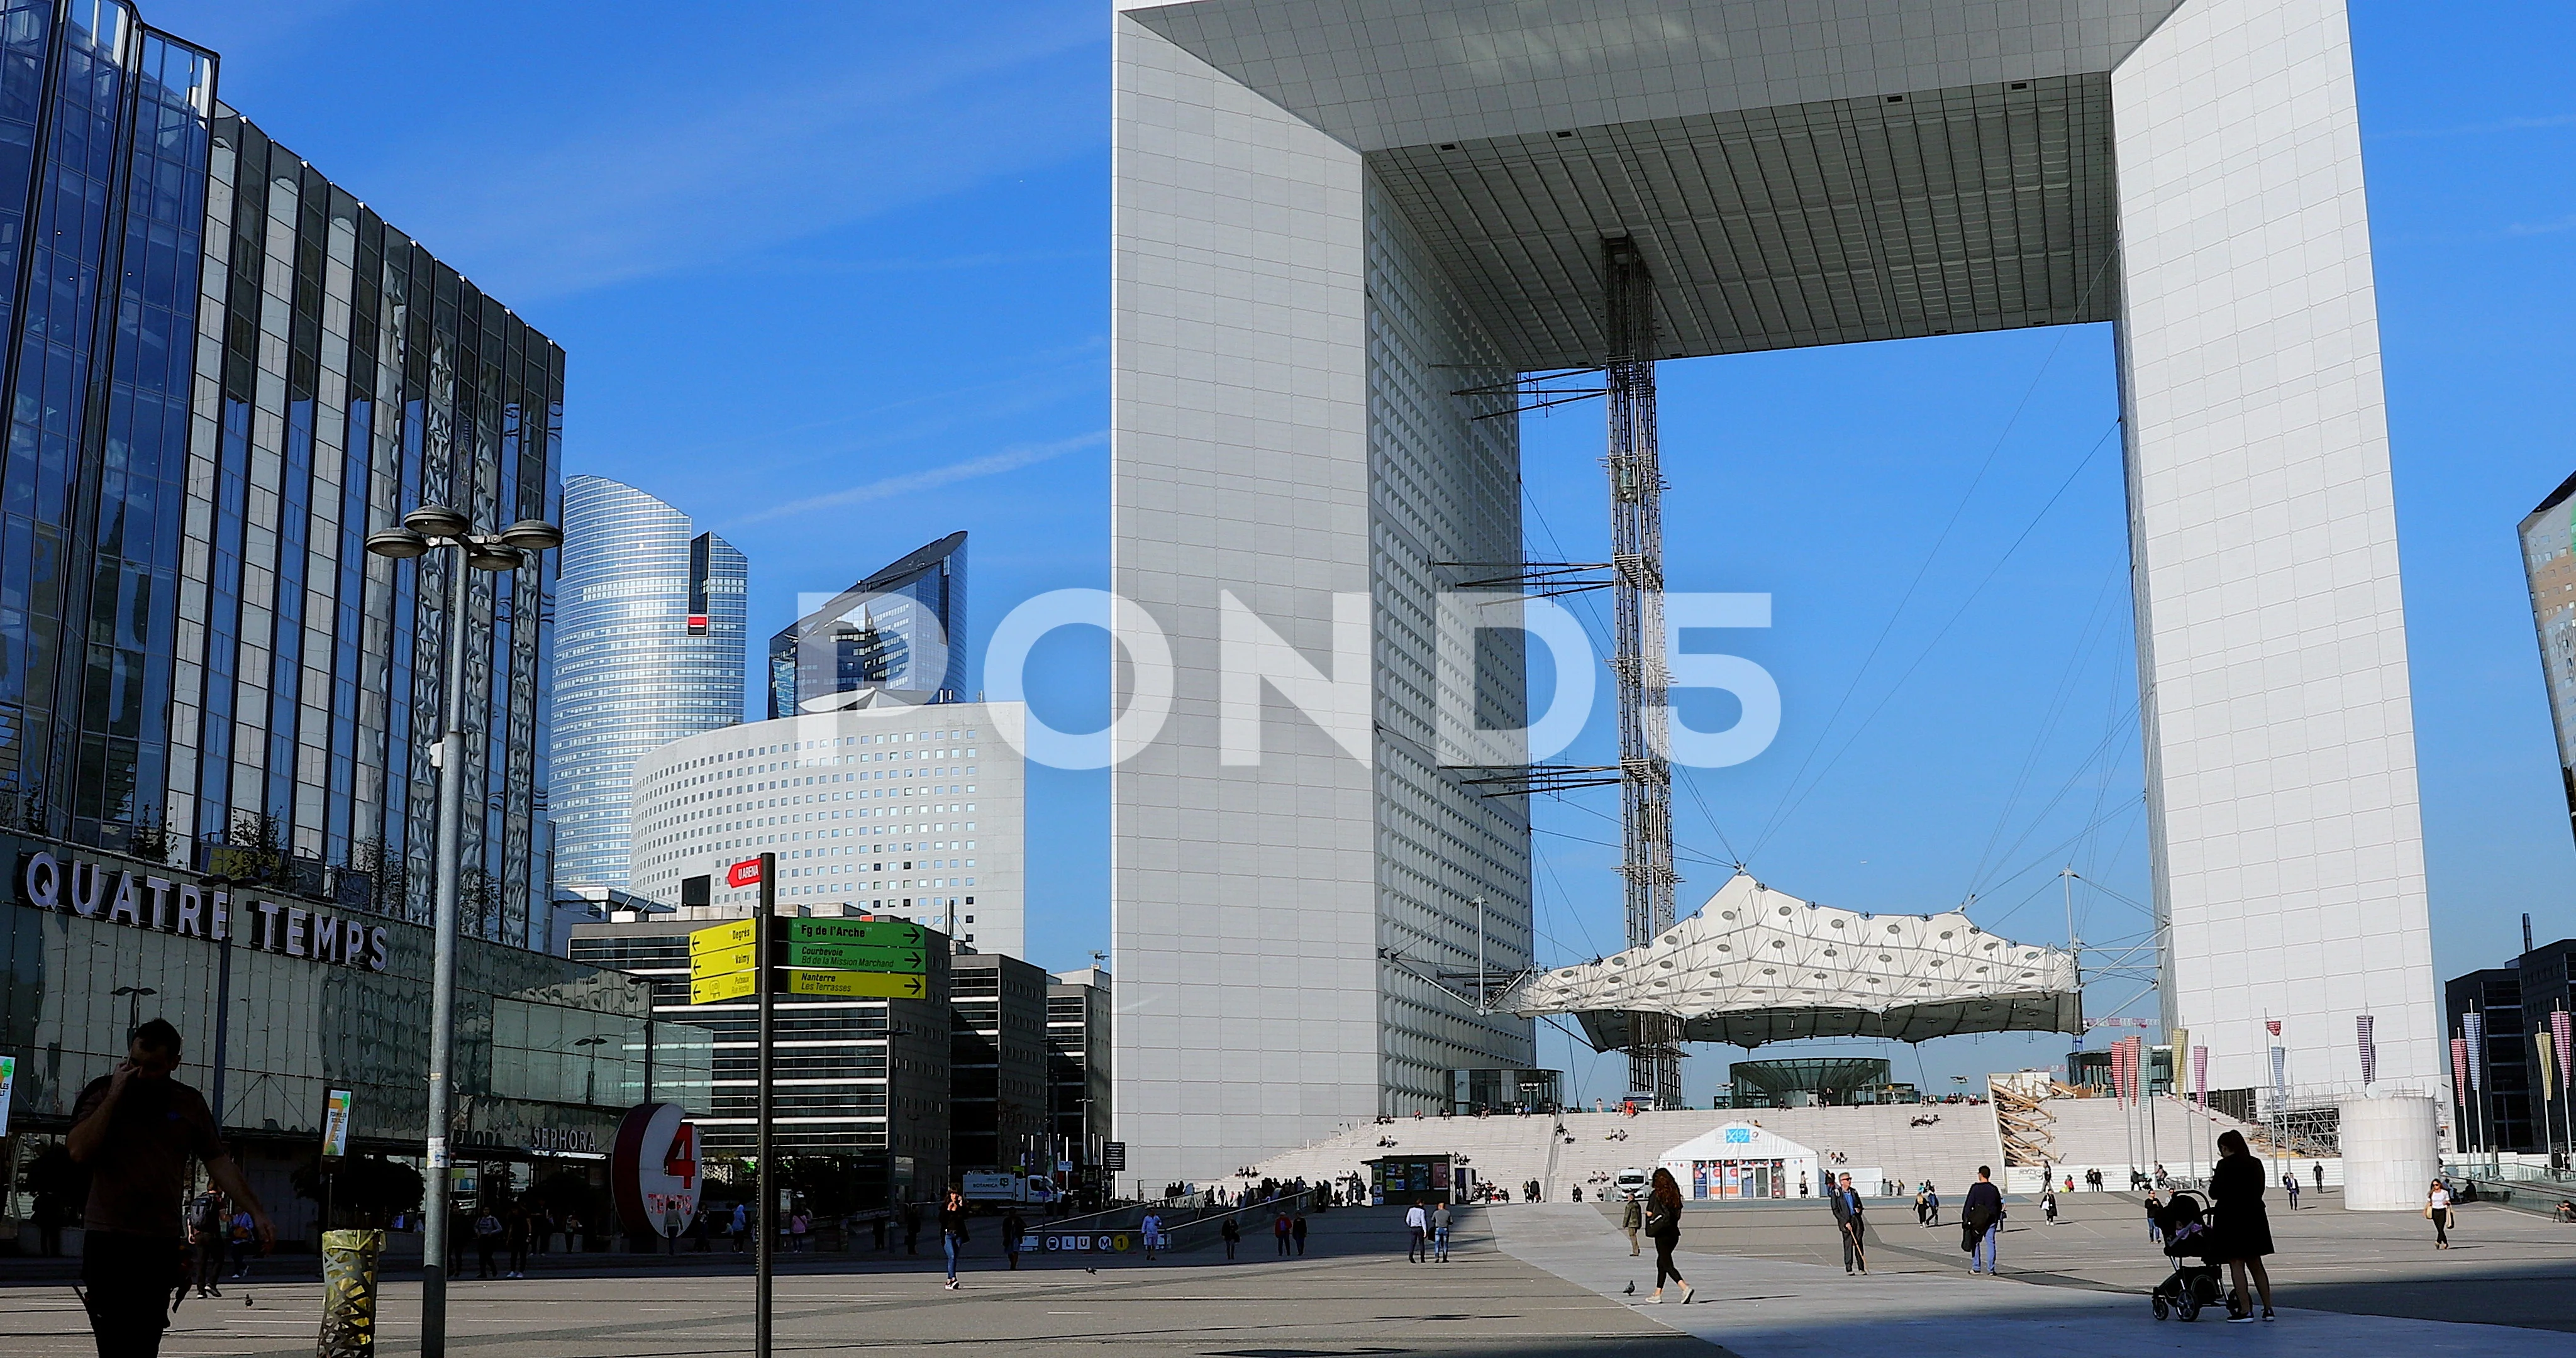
<point x="1637" y="589"/>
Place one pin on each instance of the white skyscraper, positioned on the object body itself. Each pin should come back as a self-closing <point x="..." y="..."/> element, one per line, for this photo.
<point x="1336" y="222"/>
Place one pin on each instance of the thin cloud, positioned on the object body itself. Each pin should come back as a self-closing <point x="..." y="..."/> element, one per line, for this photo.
<point x="2541" y="228"/>
<point x="931" y="478"/>
<point x="730" y="178"/>
<point x="2481" y="129"/>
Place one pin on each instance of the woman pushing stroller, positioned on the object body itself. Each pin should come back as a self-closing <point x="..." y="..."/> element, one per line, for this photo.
<point x="2244" y="1230"/>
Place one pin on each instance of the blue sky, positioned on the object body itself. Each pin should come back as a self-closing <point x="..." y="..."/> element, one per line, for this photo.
<point x="836" y="281"/>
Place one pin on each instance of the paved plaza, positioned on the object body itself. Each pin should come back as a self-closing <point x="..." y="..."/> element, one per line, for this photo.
<point x="1526" y="1280"/>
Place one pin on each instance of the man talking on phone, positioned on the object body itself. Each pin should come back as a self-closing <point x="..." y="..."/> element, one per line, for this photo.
<point x="136" y="1129"/>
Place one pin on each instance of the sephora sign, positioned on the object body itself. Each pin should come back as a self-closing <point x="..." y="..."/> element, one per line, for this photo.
<point x="115" y="896"/>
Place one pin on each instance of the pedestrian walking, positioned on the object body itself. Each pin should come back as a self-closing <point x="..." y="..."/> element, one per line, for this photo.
<point x="1297" y="1232"/>
<point x="211" y="1230"/>
<point x="2437" y="1209"/>
<point x="911" y="1227"/>
<point x="740" y="1225"/>
<point x="2048" y="1204"/>
<point x="238" y="1241"/>
<point x="514" y="1235"/>
<point x="1932" y="1201"/>
<point x="1440" y="1233"/>
<point x="2244" y="1231"/>
<point x="1014" y="1227"/>
<point x="1981" y="1222"/>
<point x="1231" y="1234"/>
<point x="1151" y="1228"/>
<point x="1922" y="1215"/>
<point x="2290" y="1185"/>
<point x="1632" y="1219"/>
<point x="135" y="1129"/>
<point x="2318" y="1168"/>
<point x="675" y="1223"/>
<point x="2155" y="1221"/>
<point x="1417" y="1227"/>
<point x="1664" y="1227"/>
<point x="952" y="1232"/>
<point x="1849" y="1223"/>
<point x="487" y="1242"/>
<point x="799" y="1228"/>
<point x="1279" y="1234"/>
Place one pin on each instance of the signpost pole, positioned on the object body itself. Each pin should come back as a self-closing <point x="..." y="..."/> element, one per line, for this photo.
<point x="764" y="927"/>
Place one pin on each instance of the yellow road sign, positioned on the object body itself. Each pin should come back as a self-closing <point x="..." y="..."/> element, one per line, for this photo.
<point x="736" y="934"/>
<point x="875" y="985"/>
<point x="722" y="962"/>
<point x="712" y="989"/>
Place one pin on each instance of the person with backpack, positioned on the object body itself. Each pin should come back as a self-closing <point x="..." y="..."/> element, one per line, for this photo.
<point x="1981" y="1222"/>
<point x="212" y="1232"/>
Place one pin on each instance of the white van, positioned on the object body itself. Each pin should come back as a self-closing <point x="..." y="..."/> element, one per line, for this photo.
<point x="1631" y="1185"/>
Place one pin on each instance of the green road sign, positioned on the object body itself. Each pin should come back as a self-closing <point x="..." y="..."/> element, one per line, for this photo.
<point x="855" y="957"/>
<point x="877" y="933"/>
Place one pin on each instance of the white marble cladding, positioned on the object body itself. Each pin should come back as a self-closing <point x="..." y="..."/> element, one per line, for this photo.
<point x="2281" y="754"/>
<point x="1444" y="487"/>
<point x="1243" y="898"/>
<point x="1378" y="74"/>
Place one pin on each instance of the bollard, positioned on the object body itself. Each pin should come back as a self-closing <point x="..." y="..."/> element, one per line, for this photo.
<point x="349" y="1293"/>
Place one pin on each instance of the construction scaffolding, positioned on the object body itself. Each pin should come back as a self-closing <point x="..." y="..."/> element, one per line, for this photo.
<point x="1637" y="590"/>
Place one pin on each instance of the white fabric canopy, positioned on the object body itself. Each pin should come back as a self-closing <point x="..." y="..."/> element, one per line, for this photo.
<point x="1757" y="965"/>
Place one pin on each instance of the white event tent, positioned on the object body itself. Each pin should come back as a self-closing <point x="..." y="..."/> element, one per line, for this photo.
<point x="1757" y="965"/>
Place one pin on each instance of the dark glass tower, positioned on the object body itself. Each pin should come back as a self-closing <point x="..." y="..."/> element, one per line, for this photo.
<point x="223" y="371"/>
<point x="902" y="630"/>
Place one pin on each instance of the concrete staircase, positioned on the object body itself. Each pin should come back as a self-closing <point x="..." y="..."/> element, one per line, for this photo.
<point x="1512" y="1150"/>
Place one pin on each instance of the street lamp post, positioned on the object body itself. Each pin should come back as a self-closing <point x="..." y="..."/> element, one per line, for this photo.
<point x="133" y="1006"/>
<point x="424" y="530"/>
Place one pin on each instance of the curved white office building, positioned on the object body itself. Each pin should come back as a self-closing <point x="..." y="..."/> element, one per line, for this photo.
<point x="906" y="812"/>
<point x="649" y="628"/>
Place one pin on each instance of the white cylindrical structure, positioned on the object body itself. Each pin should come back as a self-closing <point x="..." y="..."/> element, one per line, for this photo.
<point x="2391" y="1152"/>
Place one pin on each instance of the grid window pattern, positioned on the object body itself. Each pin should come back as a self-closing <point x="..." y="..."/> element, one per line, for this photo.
<point x="632" y="670"/>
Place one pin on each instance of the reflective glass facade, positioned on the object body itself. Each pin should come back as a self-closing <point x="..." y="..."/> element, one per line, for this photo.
<point x="891" y="631"/>
<point x="290" y="1027"/>
<point x="649" y="650"/>
<point x="222" y="372"/>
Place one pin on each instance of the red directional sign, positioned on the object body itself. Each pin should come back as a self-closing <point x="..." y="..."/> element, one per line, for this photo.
<point x="744" y="873"/>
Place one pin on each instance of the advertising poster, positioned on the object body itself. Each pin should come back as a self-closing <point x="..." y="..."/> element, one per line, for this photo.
<point x="335" y="1125"/>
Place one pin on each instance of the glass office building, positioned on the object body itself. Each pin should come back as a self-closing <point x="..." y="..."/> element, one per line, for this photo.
<point x="272" y="1014"/>
<point x="2548" y="535"/>
<point x="223" y="370"/>
<point x="649" y="650"/>
<point x="901" y="630"/>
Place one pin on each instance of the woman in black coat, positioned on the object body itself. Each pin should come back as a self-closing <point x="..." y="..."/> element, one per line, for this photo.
<point x="2244" y="1231"/>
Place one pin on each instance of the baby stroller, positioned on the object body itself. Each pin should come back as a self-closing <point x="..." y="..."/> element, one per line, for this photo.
<point x="2189" y="1241"/>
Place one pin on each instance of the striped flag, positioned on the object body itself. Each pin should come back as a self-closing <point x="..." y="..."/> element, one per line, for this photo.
<point x="2369" y="1051"/>
<point x="2540" y="1047"/>
<point x="2280" y="1071"/>
<point x="2460" y="1068"/>
<point x="2562" y="1028"/>
<point x="2200" y="1075"/>
<point x="2473" y="1026"/>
